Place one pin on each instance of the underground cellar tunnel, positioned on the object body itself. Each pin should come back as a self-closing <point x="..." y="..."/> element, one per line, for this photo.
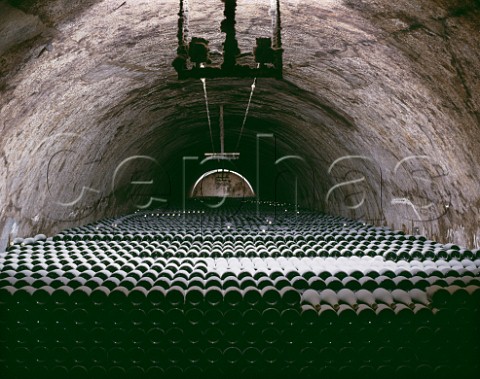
<point x="349" y="244"/>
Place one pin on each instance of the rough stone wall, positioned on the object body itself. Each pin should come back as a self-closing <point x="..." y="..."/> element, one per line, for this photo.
<point x="380" y="105"/>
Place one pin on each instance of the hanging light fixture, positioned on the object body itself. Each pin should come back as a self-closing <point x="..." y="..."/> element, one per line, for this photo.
<point x="222" y="155"/>
<point x="192" y="60"/>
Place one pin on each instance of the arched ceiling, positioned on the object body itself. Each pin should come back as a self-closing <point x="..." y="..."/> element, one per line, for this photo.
<point x="377" y="116"/>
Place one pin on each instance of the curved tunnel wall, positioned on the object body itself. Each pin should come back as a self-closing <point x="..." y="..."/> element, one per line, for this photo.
<point x="377" y="117"/>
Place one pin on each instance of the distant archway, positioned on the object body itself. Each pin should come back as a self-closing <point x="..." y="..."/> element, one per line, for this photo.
<point x="222" y="183"/>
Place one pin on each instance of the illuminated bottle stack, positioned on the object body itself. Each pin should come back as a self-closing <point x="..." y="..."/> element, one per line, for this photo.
<point x="205" y="291"/>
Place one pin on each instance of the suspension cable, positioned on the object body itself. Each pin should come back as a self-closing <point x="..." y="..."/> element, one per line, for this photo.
<point x="204" y="82"/>
<point x="246" y="112"/>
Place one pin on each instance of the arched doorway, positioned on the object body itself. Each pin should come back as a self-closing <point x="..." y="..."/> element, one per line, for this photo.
<point x="222" y="183"/>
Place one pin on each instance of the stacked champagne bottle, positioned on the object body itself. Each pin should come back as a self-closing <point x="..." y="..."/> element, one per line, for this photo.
<point x="246" y="288"/>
